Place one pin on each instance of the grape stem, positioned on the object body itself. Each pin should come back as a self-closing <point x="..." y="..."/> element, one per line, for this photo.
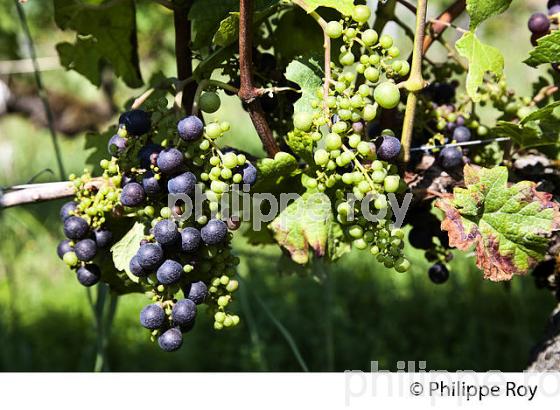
<point x="415" y="82"/>
<point x="436" y="27"/>
<point x="247" y="91"/>
<point x="183" y="53"/>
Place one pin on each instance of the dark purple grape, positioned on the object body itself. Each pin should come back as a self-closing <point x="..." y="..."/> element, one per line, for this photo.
<point x="169" y="272"/>
<point x="171" y="340"/>
<point x="150" y="256"/>
<point x="152" y="316"/>
<point x="85" y="249"/>
<point x="116" y="145"/>
<point x="190" y="239"/>
<point x="438" y="273"/>
<point x="88" y="275"/>
<point x="462" y="134"/>
<point x="133" y="194"/>
<point x="148" y="155"/>
<point x="387" y="148"/>
<point x="75" y="227"/>
<point x="182" y="184"/>
<point x="103" y="237"/>
<point x="67" y="209"/>
<point x="170" y="161"/>
<point x="420" y="238"/>
<point x="190" y="128"/>
<point x="214" y="232"/>
<point x="451" y="158"/>
<point x="554" y="10"/>
<point x="184" y="312"/>
<point x="136" y="122"/>
<point x="135" y="268"/>
<point x="64" y="247"/>
<point x="358" y="127"/>
<point x="249" y="174"/>
<point x="150" y="184"/>
<point x="539" y="23"/>
<point x="166" y="233"/>
<point x="196" y="291"/>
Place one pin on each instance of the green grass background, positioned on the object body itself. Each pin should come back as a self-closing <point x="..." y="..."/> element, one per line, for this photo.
<point x="358" y="312"/>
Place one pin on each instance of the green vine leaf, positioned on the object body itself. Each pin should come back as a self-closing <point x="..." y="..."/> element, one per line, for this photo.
<point x="308" y="226"/>
<point x="547" y="50"/>
<point x="106" y="34"/>
<point x="480" y="10"/>
<point x="308" y="75"/>
<point x="343" y="6"/>
<point x="539" y="128"/>
<point x="126" y="248"/>
<point x="508" y="225"/>
<point x="482" y="58"/>
<point x="228" y="30"/>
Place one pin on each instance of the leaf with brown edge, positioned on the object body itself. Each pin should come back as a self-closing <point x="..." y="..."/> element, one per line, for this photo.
<point x="509" y="226"/>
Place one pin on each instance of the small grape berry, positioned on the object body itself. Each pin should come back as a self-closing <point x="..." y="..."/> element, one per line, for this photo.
<point x="152" y="316"/>
<point x="169" y="272"/>
<point x="171" y="340"/>
<point x="214" y="232"/>
<point x="190" y="239"/>
<point x="197" y="292"/>
<point x="132" y="194"/>
<point x="387" y="148"/>
<point x="136" y="122"/>
<point x="75" y="227"/>
<point x="88" y="275"/>
<point x="190" y="128"/>
<point x="184" y="311"/>
<point x="85" y="249"/>
<point x="438" y="273"/>
<point x="170" y="160"/>
<point x="166" y="233"/>
<point x="150" y="255"/>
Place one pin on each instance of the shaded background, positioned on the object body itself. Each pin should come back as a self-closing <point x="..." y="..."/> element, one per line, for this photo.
<point x="341" y="317"/>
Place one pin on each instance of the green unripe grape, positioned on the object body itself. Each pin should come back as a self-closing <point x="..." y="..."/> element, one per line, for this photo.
<point x="363" y="148"/>
<point x="387" y="95"/>
<point x="218" y="187"/>
<point x="388" y="263"/>
<point x="345" y="103"/>
<point x="354" y="140"/>
<point x="225" y="126"/>
<point x="311" y="183"/>
<point x="223" y="301"/>
<point x="378" y="176"/>
<point x="232" y="286"/>
<point x="523" y="112"/>
<point x="237" y="178"/>
<point x="364" y="90"/>
<point x="241" y="159"/>
<point x="350" y="33"/>
<point x="149" y="211"/>
<point x="357" y="177"/>
<point x="345" y="114"/>
<point x="204" y="145"/>
<point x="343" y="208"/>
<point x="370" y="112"/>
<point x="380" y="202"/>
<point x="226" y="173"/>
<point x="347" y="157"/>
<point x="334" y="29"/>
<point x="219" y="317"/>
<point x="104" y="163"/>
<point x="213" y="130"/>
<point x="374" y="59"/>
<point x="402" y="265"/>
<point x="321" y="157"/>
<point x="331" y="166"/>
<point x="70" y="259"/>
<point x="340" y="127"/>
<point x="215" y="172"/>
<point x="361" y="14"/>
<point x="347" y="178"/>
<point x="209" y="102"/>
<point x="218" y="326"/>
<point x="215" y="160"/>
<point x="482" y="131"/>
<point x="346" y="58"/>
<point x="364" y="59"/>
<point x="333" y="141"/>
<point x="349" y="77"/>
<point x="372" y="74"/>
<point x="357" y="101"/>
<point x="405" y="69"/>
<point x="356" y="117"/>
<point x="386" y="41"/>
<point x="370" y="37"/>
<point x="340" y="87"/>
<point x="230" y="160"/>
<point x="303" y="121"/>
<point x="374" y="250"/>
<point x="394" y="52"/>
<point x="165" y="212"/>
<point x="235" y="320"/>
<point x="360" y="244"/>
<point x="228" y="322"/>
<point x="360" y="68"/>
<point x="391" y="183"/>
<point x="355" y="231"/>
<point x="213" y="206"/>
<point x="331" y="101"/>
<point x="368" y="236"/>
<point x="396" y="65"/>
<point x="364" y="187"/>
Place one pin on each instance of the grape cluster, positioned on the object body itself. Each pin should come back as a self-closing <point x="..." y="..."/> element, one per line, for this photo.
<point x="540" y="24"/>
<point x="347" y="163"/>
<point x="191" y="255"/>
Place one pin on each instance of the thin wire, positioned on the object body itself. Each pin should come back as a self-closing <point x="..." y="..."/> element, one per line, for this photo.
<point x="461" y="144"/>
<point x="41" y="90"/>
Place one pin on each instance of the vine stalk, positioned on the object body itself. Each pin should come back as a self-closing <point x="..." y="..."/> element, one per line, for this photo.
<point x="247" y="91"/>
<point x="415" y="82"/>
